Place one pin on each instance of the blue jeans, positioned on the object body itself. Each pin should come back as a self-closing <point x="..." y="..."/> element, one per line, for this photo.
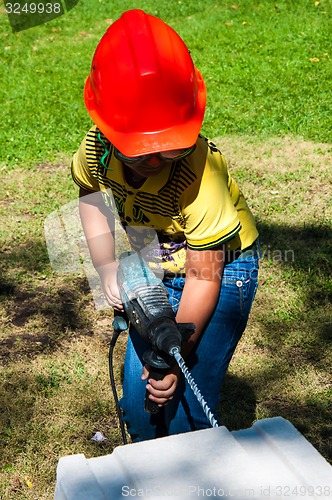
<point x="207" y="363"/>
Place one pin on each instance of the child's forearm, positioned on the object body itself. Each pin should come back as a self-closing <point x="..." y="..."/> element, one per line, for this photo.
<point x="201" y="291"/>
<point x="98" y="226"/>
<point x="198" y="301"/>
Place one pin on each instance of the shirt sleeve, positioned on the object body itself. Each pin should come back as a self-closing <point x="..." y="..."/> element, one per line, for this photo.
<point x="209" y="210"/>
<point x="81" y="171"/>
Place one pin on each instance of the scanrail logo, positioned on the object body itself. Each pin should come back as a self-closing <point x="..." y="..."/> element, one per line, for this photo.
<point x="27" y="14"/>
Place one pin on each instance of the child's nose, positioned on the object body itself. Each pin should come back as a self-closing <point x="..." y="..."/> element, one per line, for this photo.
<point x="153" y="160"/>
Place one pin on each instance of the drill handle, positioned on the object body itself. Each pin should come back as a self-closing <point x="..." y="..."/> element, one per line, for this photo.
<point x="151" y="406"/>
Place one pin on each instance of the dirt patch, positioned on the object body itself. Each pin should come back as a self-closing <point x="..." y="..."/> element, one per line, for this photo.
<point x="38" y="320"/>
<point x="46" y="167"/>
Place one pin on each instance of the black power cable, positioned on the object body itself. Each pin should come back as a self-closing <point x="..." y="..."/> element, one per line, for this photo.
<point x="119" y="325"/>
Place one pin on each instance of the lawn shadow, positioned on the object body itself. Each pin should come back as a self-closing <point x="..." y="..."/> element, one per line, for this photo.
<point x="304" y="247"/>
<point x="39" y="312"/>
<point x="237" y="407"/>
<point x="296" y="335"/>
<point x="305" y="253"/>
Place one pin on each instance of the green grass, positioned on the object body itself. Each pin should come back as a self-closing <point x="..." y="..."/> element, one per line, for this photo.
<point x="267" y="68"/>
<point x="268" y="102"/>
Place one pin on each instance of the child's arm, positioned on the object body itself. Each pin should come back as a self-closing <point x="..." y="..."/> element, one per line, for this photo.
<point x="98" y="226"/>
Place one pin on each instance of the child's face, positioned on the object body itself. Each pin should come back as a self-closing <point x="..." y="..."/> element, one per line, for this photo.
<point x="149" y="166"/>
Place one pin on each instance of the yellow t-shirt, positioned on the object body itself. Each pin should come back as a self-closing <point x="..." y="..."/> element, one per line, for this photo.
<point x="191" y="203"/>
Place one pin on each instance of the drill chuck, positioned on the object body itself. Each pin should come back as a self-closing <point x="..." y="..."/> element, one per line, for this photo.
<point x="166" y="335"/>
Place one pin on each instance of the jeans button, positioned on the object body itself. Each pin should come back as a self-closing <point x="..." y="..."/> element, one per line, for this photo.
<point x="239" y="283"/>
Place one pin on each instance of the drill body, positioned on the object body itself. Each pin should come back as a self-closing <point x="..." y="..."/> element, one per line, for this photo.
<point x="145" y="301"/>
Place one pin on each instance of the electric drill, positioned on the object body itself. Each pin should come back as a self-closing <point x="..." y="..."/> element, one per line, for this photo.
<point x="146" y="305"/>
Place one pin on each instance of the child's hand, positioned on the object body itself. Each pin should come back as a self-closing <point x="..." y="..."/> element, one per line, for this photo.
<point x="162" y="391"/>
<point x="109" y="284"/>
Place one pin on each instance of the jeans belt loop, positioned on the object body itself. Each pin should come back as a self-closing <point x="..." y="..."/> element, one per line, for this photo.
<point x="170" y="275"/>
<point x="250" y="251"/>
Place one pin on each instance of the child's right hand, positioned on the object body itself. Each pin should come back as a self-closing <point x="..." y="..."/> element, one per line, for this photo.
<point x="109" y="284"/>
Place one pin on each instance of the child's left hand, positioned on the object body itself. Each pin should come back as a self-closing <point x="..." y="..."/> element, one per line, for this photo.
<point x="161" y="391"/>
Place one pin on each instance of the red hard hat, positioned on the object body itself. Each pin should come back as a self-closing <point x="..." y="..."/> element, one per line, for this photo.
<point x="144" y="92"/>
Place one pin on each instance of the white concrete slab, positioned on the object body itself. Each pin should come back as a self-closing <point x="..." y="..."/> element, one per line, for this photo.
<point x="271" y="460"/>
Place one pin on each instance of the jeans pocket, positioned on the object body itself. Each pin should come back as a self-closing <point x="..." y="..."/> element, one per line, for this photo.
<point x="247" y="287"/>
<point x="243" y="280"/>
